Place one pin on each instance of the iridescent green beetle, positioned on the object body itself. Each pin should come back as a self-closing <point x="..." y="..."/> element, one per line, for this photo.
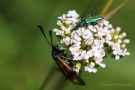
<point x="89" y="20"/>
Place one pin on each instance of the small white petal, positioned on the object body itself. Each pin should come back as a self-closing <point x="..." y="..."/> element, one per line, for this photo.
<point x="86" y="68"/>
<point x="117" y="57"/>
<point x="91" y="68"/>
<point x="62" y="17"/>
<point x="124" y="34"/>
<point x="119" y="41"/>
<point x="72" y="13"/>
<point x="105" y="22"/>
<point x="102" y="65"/>
<point x="118" y="29"/>
<point x="112" y="31"/>
<point x="92" y="64"/>
<point x="127" y="53"/>
<point x="55" y="29"/>
<point x="94" y="70"/>
<point x="59" y="23"/>
<point x="110" y="26"/>
<point x="116" y="37"/>
<point x="123" y="45"/>
<point x="66" y="40"/>
<point x="126" y="41"/>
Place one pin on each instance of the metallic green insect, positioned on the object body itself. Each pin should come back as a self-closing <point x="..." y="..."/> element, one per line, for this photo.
<point x="89" y="20"/>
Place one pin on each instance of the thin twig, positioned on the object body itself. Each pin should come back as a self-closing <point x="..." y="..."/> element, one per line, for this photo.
<point x="60" y="83"/>
<point x="106" y="7"/>
<point x="110" y="14"/>
<point x="48" y="77"/>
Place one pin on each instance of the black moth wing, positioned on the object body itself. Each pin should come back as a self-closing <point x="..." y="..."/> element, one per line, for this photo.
<point x="65" y="65"/>
<point x="68" y="72"/>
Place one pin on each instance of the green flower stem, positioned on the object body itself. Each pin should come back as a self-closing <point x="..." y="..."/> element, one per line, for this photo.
<point x="48" y="77"/>
<point x="60" y="83"/>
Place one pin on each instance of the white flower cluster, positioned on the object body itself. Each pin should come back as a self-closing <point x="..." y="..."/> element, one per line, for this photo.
<point x="91" y="42"/>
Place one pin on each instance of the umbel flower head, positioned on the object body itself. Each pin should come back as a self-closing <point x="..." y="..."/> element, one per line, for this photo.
<point x="90" y="44"/>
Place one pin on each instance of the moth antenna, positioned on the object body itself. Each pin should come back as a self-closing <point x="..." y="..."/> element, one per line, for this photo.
<point x="50" y="33"/>
<point x="45" y="36"/>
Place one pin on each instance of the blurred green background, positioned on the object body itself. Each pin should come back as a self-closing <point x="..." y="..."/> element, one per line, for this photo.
<point x="25" y="56"/>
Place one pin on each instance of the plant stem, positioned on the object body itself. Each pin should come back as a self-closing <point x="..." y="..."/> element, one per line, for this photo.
<point x="48" y="77"/>
<point x="60" y="83"/>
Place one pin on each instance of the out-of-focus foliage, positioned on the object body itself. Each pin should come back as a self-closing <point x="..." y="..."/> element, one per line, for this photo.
<point x="25" y="57"/>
